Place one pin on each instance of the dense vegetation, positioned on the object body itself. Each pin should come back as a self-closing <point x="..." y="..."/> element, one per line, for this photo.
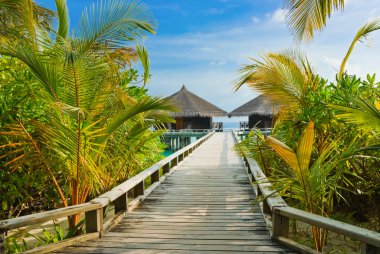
<point x="76" y="119"/>
<point x="323" y="154"/>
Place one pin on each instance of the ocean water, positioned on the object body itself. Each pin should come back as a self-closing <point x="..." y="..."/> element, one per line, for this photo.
<point x="167" y="152"/>
<point x="228" y="126"/>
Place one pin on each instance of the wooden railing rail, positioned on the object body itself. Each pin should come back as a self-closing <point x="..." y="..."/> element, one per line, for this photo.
<point x="278" y="213"/>
<point x="118" y="197"/>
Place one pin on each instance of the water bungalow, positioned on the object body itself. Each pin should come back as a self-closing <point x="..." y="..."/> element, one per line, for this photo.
<point x="260" y="112"/>
<point x="194" y="112"/>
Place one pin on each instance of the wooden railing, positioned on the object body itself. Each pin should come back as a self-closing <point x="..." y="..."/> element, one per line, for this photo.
<point x="277" y="214"/>
<point x="93" y="210"/>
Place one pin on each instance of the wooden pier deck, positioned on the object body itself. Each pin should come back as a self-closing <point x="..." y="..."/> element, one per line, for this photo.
<point x="206" y="206"/>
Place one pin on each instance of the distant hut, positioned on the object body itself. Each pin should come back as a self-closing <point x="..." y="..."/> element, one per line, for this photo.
<point x="194" y="112"/>
<point x="260" y="112"/>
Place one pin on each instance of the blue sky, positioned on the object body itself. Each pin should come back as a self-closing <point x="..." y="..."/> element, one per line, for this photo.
<point x="202" y="44"/>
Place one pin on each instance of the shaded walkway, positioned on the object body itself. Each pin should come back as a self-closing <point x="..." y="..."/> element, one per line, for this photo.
<point x="206" y="206"/>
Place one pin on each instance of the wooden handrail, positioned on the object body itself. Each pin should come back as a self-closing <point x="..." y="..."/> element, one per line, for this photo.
<point x="118" y="196"/>
<point x="361" y="234"/>
<point x="280" y="212"/>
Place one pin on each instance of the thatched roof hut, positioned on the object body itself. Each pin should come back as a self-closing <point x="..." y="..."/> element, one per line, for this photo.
<point x="194" y="112"/>
<point x="191" y="105"/>
<point x="260" y="111"/>
<point x="261" y="105"/>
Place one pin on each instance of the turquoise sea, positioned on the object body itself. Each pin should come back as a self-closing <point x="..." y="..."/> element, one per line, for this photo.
<point x="228" y="126"/>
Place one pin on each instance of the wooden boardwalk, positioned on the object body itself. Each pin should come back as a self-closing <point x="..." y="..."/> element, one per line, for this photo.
<point x="206" y="206"/>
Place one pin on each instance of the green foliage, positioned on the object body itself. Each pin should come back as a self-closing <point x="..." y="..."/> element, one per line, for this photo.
<point x="17" y="243"/>
<point x="344" y="156"/>
<point x="80" y="123"/>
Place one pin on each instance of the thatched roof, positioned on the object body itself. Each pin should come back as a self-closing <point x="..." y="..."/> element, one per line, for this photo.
<point x="191" y="105"/>
<point x="261" y="105"/>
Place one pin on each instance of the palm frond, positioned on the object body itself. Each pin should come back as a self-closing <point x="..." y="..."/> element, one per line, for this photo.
<point x="46" y="72"/>
<point x="63" y="19"/>
<point x="283" y="77"/>
<point x="362" y="33"/>
<point x="144" y="59"/>
<point x="286" y="153"/>
<point x="114" y="24"/>
<point x="306" y="16"/>
<point x="145" y="106"/>
<point x="305" y="147"/>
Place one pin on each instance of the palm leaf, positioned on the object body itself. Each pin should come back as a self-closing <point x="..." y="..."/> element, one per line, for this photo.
<point x="286" y="153"/>
<point x="148" y="104"/>
<point x="305" y="147"/>
<point x="114" y="23"/>
<point x="283" y="77"/>
<point x="362" y="33"/>
<point x="143" y="57"/>
<point x="63" y="19"/>
<point x="306" y="16"/>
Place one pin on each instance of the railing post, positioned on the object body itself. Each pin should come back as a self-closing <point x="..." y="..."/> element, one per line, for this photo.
<point x="166" y="168"/>
<point x="155" y="177"/>
<point x="266" y="208"/>
<point x="174" y="162"/>
<point x="121" y="203"/>
<point x="94" y="220"/>
<point x="139" y="189"/>
<point x="369" y="249"/>
<point x="280" y="224"/>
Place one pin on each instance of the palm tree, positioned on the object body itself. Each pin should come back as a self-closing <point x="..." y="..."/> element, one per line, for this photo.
<point x="88" y="111"/>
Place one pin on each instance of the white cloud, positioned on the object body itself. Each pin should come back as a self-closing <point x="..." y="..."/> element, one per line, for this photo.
<point x="279" y="15"/>
<point x="350" y="68"/>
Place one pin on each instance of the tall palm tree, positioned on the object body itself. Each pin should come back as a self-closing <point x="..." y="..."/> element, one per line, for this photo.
<point x="88" y="111"/>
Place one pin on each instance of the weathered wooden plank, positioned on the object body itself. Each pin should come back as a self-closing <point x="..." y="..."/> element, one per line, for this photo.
<point x="192" y="247"/>
<point x="121" y="241"/>
<point x="215" y="236"/>
<point x="213" y="217"/>
<point x="154" y="251"/>
<point x="197" y="231"/>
